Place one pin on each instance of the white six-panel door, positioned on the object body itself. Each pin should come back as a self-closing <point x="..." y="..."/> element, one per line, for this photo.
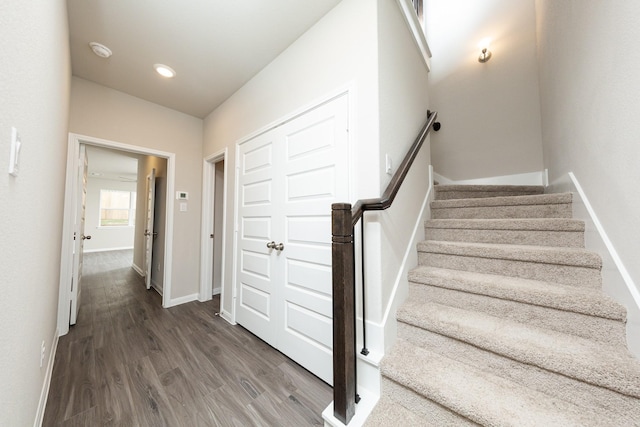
<point x="287" y="180"/>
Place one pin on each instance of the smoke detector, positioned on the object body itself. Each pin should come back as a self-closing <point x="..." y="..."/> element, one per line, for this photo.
<point x="99" y="49"/>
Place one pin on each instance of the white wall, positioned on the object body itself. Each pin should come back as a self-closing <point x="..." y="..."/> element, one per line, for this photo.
<point x="403" y="110"/>
<point x="340" y="50"/>
<point x="34" y="88"/>
<point x="104" y="238"/>
<point x="589" y="89"/>
<point x="105" y="113"/>
<point x="490" y="112"/>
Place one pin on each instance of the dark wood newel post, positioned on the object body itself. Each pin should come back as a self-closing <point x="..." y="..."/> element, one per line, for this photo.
<point x="344" y="351"/>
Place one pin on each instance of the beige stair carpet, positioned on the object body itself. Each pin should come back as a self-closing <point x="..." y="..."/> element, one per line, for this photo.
<point x="506" y="323"/>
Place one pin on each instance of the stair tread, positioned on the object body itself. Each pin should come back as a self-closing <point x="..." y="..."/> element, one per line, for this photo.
<point x="482" y="396"/>
<point x="602" y="365"/>
<point x="537" y="199"/>
<point x="528" y="224"/>
<point x="553" y="295"/>
<point x="539" y="254"/>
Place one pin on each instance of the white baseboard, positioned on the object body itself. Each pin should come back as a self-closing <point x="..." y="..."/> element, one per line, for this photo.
<point x="154" y="285"/>
<point x="87" y="251"/>
<point x="183" y="300"/>
<point x="530" y="178"/>
<point x="137" y="269"/>
<point x="227" y="316"/>
<point x="409" y="261"/>
<point x="616" y="280"/>
<point x="44" y="394"/>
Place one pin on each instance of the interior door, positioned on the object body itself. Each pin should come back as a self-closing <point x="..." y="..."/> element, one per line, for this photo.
<point x="257" y="191"/>
<point x="79" y="236"/>
<point x="315" y="176"/>
<point x="148" y="227"/>
<point x="288" y="178"/>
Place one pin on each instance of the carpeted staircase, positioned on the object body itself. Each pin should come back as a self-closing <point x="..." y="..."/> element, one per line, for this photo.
<point x="505" y="323"/>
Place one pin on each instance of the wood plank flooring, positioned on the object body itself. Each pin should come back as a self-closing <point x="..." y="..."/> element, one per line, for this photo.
<point x="129" y="362"/>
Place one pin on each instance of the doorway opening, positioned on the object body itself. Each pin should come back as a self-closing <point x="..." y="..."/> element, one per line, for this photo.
<point x="212" y="263"/>
<point x="123" y="212"/>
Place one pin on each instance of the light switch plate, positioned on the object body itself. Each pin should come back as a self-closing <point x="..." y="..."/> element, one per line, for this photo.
<point x="183" y="207"/>
<point x="14" y="158"/>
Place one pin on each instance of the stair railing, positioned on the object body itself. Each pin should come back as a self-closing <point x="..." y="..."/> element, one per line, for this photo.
<point x="344" y="218"/>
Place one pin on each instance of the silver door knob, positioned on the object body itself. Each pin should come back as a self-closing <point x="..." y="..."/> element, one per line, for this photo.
<point x="86" y="237"/>
<point x="271" y="245"/>
<point x="279" y="247"/>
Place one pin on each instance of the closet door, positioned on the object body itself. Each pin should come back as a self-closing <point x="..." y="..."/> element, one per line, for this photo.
<point x="315" y="176"/>
<point x="287" y="180"/>
<point x="257" y="216"/>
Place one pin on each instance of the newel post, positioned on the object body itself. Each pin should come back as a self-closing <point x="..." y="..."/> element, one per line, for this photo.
<point x="344" y="351"/>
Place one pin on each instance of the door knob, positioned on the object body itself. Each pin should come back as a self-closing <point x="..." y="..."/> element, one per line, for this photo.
<point x="279" y="247"/>
<point x="271" y="245"/>
<point x="86" y="237"/>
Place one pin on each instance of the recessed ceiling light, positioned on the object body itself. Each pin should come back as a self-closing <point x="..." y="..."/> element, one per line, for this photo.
<point x="99" y="49"/>
<point x="164" y="70"/>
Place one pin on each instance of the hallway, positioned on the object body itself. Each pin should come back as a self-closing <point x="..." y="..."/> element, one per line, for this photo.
<point x="130" y="362"/>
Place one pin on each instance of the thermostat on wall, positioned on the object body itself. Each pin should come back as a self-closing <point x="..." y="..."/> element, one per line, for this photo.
<point x="182" y="195"/>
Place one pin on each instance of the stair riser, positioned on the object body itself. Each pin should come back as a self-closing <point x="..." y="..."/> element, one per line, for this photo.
<point x="559" y="386"/>
<point x="571" y="239"/>
<point x="449" y="195"/>
<point x="568" y="275"/>
<point x="422" y="407"/>
<point x="518" y="211"/>
<point x="599" y="329"/>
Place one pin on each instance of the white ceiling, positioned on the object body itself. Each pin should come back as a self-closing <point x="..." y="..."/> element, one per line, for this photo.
<point x="215" y="46"/>
<point x="112" y="164"/>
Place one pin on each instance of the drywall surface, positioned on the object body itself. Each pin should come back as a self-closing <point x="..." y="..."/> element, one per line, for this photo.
<point x="105" y="238"/>
<point x="403" y="110"/>
<point x="34" y="88"/>
<point x="100" y="112"/>
<point x="490" y="112"/>
<point x="590" y="110"/>
<point x="338" y="53"/>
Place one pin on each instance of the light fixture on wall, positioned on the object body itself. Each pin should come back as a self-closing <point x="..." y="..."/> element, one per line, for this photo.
<point x="485" y="53"/>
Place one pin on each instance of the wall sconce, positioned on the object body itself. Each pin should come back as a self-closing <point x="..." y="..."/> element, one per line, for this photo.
<point x="485" y="53"/>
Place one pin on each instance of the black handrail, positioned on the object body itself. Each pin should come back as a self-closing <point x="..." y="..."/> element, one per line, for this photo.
<point x="389" y="194"/>
<point x="344" y="218"/>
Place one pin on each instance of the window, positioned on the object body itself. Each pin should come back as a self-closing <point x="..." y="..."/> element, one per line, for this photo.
<point x="117" y="208"/>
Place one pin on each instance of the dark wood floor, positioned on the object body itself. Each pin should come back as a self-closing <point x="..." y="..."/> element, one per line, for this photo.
<point x="129" y="362"/>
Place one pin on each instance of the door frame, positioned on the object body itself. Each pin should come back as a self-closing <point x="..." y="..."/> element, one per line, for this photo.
<point x="206" y="243"/>
<point x="349" y="90"/>
<point x="70" y="203"/>
<point x="346" y="92"/>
